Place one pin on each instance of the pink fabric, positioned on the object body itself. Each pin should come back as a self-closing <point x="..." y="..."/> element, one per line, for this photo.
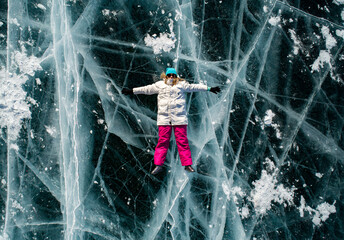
<point x="161" y="148"/>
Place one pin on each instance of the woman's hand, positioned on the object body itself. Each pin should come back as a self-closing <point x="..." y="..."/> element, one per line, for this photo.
<point x="127" y="91"/>
<point x="215" y="90"/>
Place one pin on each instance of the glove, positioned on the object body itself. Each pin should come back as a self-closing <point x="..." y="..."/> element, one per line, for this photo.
<point x="127" y="91"/>
<point x="215" y="90"/>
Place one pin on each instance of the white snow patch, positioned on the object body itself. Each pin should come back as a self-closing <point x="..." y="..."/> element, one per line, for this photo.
<point x="323" y="212"/>
<point x="32" y="101"/>
<point x="155" y="202"/>
<point x="237" y="191"/>
<point x="110" y="14"/>
<point x="14" y="104"/>
<point x="106" y="12"/>
<point x="178" y="16"/>
<point x="233" y="192"/>
<point x="320" y="214"/>
<point x="302" y="207"/>
<point x="278" y="132"/>
<point x="51" y="130"/>
<point x="27" y="65"/>
<point x="38" y="81"/>
<point x="324" y="57"/>
<point x="297" y="42"/>
<point x="268" y="117"/>
<point x="1" y="23"/>
<point x="32" y="134"/>
<point x="265" y="9"/>
<point x="267" y="190"/>
<point x="41" y="6"/>
<point x="109" y="91"/>
<point x="270" y="166"/>
<point x="4" y="236"/>
<point x="225" y="189"/>
<point x="330" y="40"/>
<point x="14" y="21"/>
<point x="165" y="42"/>
<point x="14" y="147"/>
<point x="319" y="175"/>
<point x="338" y="2"/>
<point x="17" y="205"/>
<point x="244" y="212"/>
<point x="340" y="33"/>
<point x="275" y="20"/>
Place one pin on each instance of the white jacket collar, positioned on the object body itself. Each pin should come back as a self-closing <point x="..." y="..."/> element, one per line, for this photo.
<point x="169" y="81"/>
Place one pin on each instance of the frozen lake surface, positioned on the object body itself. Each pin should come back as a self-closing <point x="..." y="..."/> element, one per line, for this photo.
<point x="76" y="154"/>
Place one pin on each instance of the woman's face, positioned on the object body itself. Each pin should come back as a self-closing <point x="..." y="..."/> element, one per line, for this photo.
<point x="171" y="75"/>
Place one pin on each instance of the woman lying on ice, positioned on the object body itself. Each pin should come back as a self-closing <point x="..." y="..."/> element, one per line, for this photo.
<point x="171" y="114"/>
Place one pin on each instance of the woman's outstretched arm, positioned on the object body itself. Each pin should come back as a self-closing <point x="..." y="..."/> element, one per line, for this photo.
<point x="147" y="90"/>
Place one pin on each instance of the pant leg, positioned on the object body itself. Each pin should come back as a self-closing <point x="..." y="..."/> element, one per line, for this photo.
<point x="180" y="133"/>
<point x="163" y="144"/>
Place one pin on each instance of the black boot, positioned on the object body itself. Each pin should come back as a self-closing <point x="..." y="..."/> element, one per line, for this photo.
<point x="156" y="170"/>
<point x="189" y="169"/>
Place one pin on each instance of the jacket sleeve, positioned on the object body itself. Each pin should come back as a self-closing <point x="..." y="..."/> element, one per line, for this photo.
<point x="194" y="87"/>
<point x="147" y="90"/>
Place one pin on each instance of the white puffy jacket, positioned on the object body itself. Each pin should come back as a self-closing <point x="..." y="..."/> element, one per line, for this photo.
<point x="171" y="100"/>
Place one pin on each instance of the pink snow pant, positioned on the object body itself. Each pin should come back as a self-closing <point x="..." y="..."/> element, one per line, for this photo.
<point x="164" y="142"/>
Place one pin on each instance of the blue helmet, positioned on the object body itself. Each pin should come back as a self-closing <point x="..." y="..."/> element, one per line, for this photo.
<point x="171" y="71"/>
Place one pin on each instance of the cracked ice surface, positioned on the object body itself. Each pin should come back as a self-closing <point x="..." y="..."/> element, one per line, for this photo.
<point x="76" y="154"/>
